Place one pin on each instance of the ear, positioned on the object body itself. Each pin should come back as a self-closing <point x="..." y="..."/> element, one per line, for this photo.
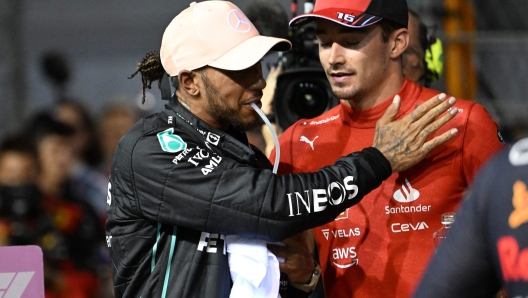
<point x="400" y="41"/>
<point x="189" y="82"/>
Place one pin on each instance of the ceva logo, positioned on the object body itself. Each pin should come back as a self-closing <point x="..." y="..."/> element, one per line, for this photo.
<point x="407" y="227"/>
<point x="13" y="284"/>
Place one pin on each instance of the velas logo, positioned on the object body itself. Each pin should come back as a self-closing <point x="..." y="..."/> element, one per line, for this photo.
<point x="342" y="233"/>
<point x="170" y="142"/>
<point x="326" y="232"/>
<point x="238" y="21"/>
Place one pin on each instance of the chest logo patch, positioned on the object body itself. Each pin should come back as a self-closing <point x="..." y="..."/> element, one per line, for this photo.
<point x="308" y="141"/>
<point x="170" y="142"/>
<point x="407" y="193"/>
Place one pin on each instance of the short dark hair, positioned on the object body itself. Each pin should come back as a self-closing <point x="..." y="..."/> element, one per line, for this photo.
<point x="20" y="143"/>
<point x="44" y="124"/>
<point x="387" y="27"/>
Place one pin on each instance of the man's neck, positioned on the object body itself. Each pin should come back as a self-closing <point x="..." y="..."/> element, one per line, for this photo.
<point x="199" y="111"/>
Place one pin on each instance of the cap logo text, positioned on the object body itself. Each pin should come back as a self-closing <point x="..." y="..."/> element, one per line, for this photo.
<point x="345" y="16"/>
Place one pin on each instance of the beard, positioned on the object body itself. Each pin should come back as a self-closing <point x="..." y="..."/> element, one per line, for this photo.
<point x="343" y="90"/>
<point x="218" y="109"/>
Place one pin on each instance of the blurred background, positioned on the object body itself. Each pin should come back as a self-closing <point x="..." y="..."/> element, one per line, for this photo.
<point x="101" y="41"/>
<point x="64" y="68"/>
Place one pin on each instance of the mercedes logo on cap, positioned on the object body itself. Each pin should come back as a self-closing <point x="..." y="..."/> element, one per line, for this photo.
<point x="238" y="21"/>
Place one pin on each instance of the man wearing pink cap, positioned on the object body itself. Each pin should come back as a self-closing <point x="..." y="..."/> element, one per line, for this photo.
<point x="185" y="180"/>
<point x="380" y="247"/>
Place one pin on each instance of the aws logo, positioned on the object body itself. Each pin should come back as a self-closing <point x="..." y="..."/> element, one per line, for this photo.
<point x="346" y="255"/>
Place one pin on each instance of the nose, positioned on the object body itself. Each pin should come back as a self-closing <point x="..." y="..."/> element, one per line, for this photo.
<point x="336" y="54"/>
<point x="259" y="82"/>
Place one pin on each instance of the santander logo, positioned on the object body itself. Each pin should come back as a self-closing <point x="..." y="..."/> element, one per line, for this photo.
<point x="407" y="193"/>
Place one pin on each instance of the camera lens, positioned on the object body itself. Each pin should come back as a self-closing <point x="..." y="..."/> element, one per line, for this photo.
<point x="301" y="93"/>
<point x="309" y="100"/>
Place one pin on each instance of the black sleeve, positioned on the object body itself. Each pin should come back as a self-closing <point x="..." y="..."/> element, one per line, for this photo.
<point x="296" y="293"/>
<point x="463" y="264"/>
<point x="220" y="195"/>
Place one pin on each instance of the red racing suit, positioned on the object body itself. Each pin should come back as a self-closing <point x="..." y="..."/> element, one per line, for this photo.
<point x="381" y="246"/>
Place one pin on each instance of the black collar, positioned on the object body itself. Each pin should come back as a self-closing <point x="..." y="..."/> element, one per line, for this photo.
<point x="233" y="142"/>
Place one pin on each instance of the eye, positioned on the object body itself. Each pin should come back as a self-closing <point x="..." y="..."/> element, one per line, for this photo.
<point x="325" y="45"/>
<point x="352" y="44"/>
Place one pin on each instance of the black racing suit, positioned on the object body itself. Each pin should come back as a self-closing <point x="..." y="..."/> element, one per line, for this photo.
<point x="178" y="186"/>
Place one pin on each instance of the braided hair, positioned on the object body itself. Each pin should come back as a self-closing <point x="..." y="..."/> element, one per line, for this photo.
<point x="151" y="70"/>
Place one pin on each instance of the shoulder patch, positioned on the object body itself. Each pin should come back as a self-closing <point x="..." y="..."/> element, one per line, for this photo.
<point x="170" y="142"/>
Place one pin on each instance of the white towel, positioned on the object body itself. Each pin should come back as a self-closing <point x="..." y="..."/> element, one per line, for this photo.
<point x="254" y="269"/>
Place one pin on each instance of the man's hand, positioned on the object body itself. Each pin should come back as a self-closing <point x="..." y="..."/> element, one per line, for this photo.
<point x="403" y="142"/>
<point x="298" y="261"/>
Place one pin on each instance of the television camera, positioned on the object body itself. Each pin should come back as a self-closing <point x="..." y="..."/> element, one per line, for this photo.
<point x="302" y="89"/>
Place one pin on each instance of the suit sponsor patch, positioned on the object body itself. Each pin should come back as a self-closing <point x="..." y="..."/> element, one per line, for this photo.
<point x="170" y="142"/>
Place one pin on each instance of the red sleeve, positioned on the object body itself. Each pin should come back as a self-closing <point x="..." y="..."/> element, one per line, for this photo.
<point x="481" y="141"/>
<point x="286" y="151"/>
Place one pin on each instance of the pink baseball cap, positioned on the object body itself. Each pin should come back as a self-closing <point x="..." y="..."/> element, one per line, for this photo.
<point x="356" y="13"/>
<point x="214" y="33"/>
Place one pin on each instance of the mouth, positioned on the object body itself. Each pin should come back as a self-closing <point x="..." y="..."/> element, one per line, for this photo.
<point x="340" y="77"/>
<point x="256" y="101"/>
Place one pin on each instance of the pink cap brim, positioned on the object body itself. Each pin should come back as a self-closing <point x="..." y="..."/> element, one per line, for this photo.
<point x="249" y="52"/>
